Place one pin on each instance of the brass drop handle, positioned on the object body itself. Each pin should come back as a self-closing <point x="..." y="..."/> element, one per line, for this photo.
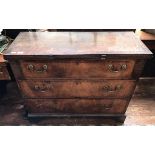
<point x="41" y="88"/>
<point x="31" y="67"/>
<point x="44" y="69"/>
<point x="110" y="90"/>
<point x="107" y="107"/>
<point x="113" y="69"/>
<point x="1" y="72"/>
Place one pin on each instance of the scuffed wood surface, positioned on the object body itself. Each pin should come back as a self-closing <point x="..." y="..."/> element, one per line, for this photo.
<point x="76" y="43"/>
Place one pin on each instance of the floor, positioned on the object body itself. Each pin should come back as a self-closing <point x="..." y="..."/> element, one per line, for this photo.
<point x="141" y="110"/>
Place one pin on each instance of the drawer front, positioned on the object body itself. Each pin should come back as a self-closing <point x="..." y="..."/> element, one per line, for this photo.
<point x="4" y="75"/>
<point x="76" y="88"/>
<point x="83" y="106"/>
<point x="78" y="69"/>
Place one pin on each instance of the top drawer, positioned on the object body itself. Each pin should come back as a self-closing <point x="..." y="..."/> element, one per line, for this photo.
<point x="77" y="69"/>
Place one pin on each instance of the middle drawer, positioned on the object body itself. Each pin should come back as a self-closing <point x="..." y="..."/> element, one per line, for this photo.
<point x="76" y="88"/>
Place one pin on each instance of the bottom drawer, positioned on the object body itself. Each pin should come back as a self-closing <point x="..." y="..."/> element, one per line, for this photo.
<point x="79" y="106"/>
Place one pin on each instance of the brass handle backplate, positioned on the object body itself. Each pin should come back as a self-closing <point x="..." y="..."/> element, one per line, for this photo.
<point x="32" y="68"/>
<point x="114" y="69"/>
<point x="109" y="89"/>
<point x="41" y="88"/>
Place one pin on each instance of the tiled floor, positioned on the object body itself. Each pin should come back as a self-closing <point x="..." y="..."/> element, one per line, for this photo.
<point x="141" y="110"/>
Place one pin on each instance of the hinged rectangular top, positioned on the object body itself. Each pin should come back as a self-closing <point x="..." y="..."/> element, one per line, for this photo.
<point x="72" y="44"/>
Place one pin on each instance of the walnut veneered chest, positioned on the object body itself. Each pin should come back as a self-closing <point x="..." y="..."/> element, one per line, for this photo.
<point x="91" y="74"/>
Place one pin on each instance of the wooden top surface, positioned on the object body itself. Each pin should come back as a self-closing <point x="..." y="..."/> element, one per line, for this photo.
<point x="76" y="43"/>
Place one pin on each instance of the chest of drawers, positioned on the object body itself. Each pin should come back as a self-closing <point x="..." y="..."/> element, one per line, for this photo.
<point x="77" y="74"/>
